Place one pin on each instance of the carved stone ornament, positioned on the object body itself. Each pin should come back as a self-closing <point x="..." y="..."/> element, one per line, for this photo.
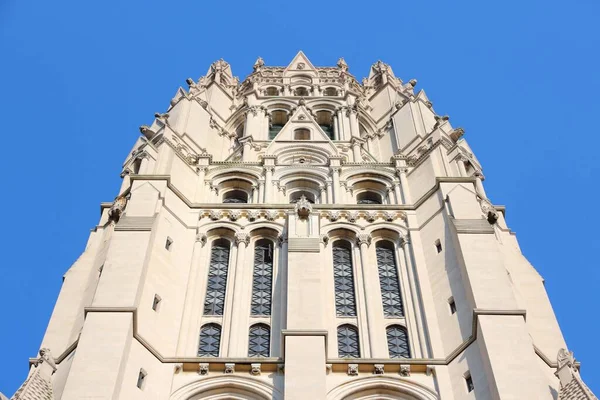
<point x="389" y="215"/>
<point x="351" y="216"/>
<point x="229" y="368"/>
<point x="489" y="211"/>
<point x="378" y="369"/>
<point x="116" y="210"/>
<point x="177" y="368"/>
<point x="242" y="237"/>
<point x="333" y="215"/>
<point x="252" y="215"/>
<point x="430" y="370"/>
<point x="214" y="215"/>
<point x="46" y="356"/>
<point x="565" y="357"/>
<point x="353" y="369"/>
<point x="328" y="368"/>
<point x="405" y="370"/>
<point x="370" y="216"/>
<point x="234" y="215"/>
<point x="363" y="238"/>
<point x="201" y="237"/>
<point x="303" y="207"/>
<point x="203" y="368"/>
<point x="258" y="64"/>
<point x="281" y="240"/>
<point x="342" y="64"/>
<point x="255" y="369"/>
<point x="301" y="66"/>
<point x="404" y="240"/>
<point x="325" y="239"/>
<point x="271" y="215"/>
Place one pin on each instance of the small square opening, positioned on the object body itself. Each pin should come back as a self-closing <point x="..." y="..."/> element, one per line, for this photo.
<point x="469" y="382"/>
<point x="156" y="302"/>
<point x="169" y="243"/>
<point x="452" y="305"/>
<point x="438" y="246"/>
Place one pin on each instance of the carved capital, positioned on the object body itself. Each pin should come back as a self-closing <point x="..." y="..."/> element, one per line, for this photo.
<point x="404" y="240"/>
<point x="201" y="237"/>
<point x="363" y="238"/>
<point x="325" y="239"/>
<point x="242" y="237"/>
<point x="479" y="175"/>
<point x="281" y="240"/>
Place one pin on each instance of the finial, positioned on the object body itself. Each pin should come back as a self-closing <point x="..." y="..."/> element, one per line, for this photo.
<point x="258" y="64"/>
<point x="342" y="64"/>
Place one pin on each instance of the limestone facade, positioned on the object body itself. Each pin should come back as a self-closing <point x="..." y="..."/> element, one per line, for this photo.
<point x="300" y="235"/>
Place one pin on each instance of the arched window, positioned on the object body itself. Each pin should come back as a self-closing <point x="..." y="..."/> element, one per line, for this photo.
<point x="259" y="340"/>
<point x="348" y="346"/>
<point x="388" y="280"/>
<point x="301" y="134"/>
<point x="272" y="91"/>
<point x="217" y="278"/>
<point x="368" y="198"/>
<point x="330" y="91"/>
<point x="301" y="92"/>
<point x="235" y="196"/>
<point x="343" y="277"/>
<point x="397" y="340"/>
<point x="262" y="280"/>
<point x="210" y="340"/>
<point x="325" y="121"/>
<point x="278" y="119"/>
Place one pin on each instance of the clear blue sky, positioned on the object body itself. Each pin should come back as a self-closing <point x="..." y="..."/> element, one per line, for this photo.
<point x="77" y="78"/>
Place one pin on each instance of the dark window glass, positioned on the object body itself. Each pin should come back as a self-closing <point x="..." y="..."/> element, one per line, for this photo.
<point x="217" y="279"/>
<point x="368" y="198"/>
<point x="397" y="339"/>
<point x="262" y="279"/>
<point x="348" y="346"/>
<point x="343" y="277"/>
<point x="470" y="385"/>
<point x="389" y="282"/>
<point x="259" y="341"/>
<point x="210" y="341"/>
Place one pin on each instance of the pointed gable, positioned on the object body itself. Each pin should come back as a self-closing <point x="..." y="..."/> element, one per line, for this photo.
<point x="300" y="65"/>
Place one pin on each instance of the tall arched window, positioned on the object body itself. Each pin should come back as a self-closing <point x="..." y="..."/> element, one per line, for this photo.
<point x="348" y="346"/>
<point x="262" y="280"/>
<point x="259" y="341"/>
<point x="388" y="280"/>
<point x="210" y="340"/>
<point x="217" y="278"/>
<point x="397" y="339"/>
<point x="343" y="277"/>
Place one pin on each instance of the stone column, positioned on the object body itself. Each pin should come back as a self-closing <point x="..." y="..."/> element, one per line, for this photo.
<point x="364" y="240"/>
<point x="322" y="195"/>
<point x="460" y="162"/>
<point x="237" y="318"/>
<point x="335" y="174"/>
<point x="200" y="187"/>
<point x="353" y="115"/>
<point x="254" y="194"/>
<point x="401" y="172"/>
<point x="329" y="192"/>
<point x="479" y="178"/>
<point x="397" y="193"/>
<point x="268" y="183"/>
<point x="246" y="151"/>
<point x="336" y="128"/>
<point x="261" y="192"/>
<point x="339" y="119"/>
<point x="356" y="153"/>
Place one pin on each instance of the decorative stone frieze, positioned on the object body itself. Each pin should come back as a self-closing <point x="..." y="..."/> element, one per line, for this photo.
<point x="352" y="369"/>
<point x="378" y="369"/>
<point x="203" y="368"/>
<point x="405" y="370"/>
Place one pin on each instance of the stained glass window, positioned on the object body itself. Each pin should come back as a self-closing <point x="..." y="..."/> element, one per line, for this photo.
<point x="397" y="339"/>
<point x="259" y="341"/>
<point x="343" y="277"/>
<point x="262" y="279"/>
<point x="217" y="278"/>
<point x="210" y="341"/>
<point x="388" y="281"/>
<point x="348" y="346"/>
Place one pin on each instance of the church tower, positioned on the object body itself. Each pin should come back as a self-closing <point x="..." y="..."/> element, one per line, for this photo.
<point x="302" y="235"/>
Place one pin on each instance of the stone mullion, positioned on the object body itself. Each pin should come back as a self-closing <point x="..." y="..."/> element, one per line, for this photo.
<point x="375" y="313"/>
<point x="226" y="318"/>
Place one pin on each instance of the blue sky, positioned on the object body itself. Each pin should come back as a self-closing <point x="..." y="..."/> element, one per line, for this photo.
<point x="77" y="78"/>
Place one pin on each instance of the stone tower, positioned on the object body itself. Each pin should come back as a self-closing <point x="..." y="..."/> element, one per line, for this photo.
<point x="302" y="235"/>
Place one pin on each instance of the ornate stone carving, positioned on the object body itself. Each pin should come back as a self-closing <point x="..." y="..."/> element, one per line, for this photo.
<point x="363" y="238"/>
<point x="255" y="369"/>
<point x="389" y="215"/>
<point x="404" y="240"/>
<point x="430" y="370"/>
<point x="271" y="215"/>
<point x="117" y="208"/>
<point x="203" y="368"/>
<point x="325" y="239"/>
<point x="342" y="64"/>
<point x="405" y="370"/>
<point x="214" y="215"/>
<point x="258" y="64"/>
<point x="565" y="357"/>
<point x="328" y="368"/>
<point x="46" y="356"/>
<point x="457" y="134"/>
<point x="370" y="215"/>
<point x="234" y="215"/>
<point x="352" y="216"/>
<point x="353" y="369"/>
<point x="303" y="207"/>
<point x="333" y="215"/>
<point x="301" y="65"/>
<point x="252" y="215"/>
<point x="229" y="368"/>
<point x="281" y="240"/>
<point x="242" y="237"/>
<point x="489" y="211"/>
<point x="378" y="369"/>
<point x="201" y="237"/>
<point x="177" y="368"/>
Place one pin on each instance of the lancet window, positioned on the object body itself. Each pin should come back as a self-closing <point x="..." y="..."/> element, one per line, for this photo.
<point x="262" y="280"/>
<point x="348" y="346"/>
<point x="343" y="276"/>
<point x="214" y="302"/>
<point x="259" y="340"/>
<point x="210" y="340"/>
<point x="397" y="339"/>
<point x="389" y="281"/>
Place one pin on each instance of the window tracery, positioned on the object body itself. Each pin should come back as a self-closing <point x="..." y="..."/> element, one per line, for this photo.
<point x="343" y="276"/>
<point x="259" y="341"/>
<point x="210" y="340"/>
<point x="389" y="281"/>
<point x="348" y="346"/>
<point x="397" y="339"/>
<point x="216" y="286"/>
<point x="262" y="280"/>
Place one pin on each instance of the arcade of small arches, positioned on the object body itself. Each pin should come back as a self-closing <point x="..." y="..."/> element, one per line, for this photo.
<point x="317" y="185"/>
